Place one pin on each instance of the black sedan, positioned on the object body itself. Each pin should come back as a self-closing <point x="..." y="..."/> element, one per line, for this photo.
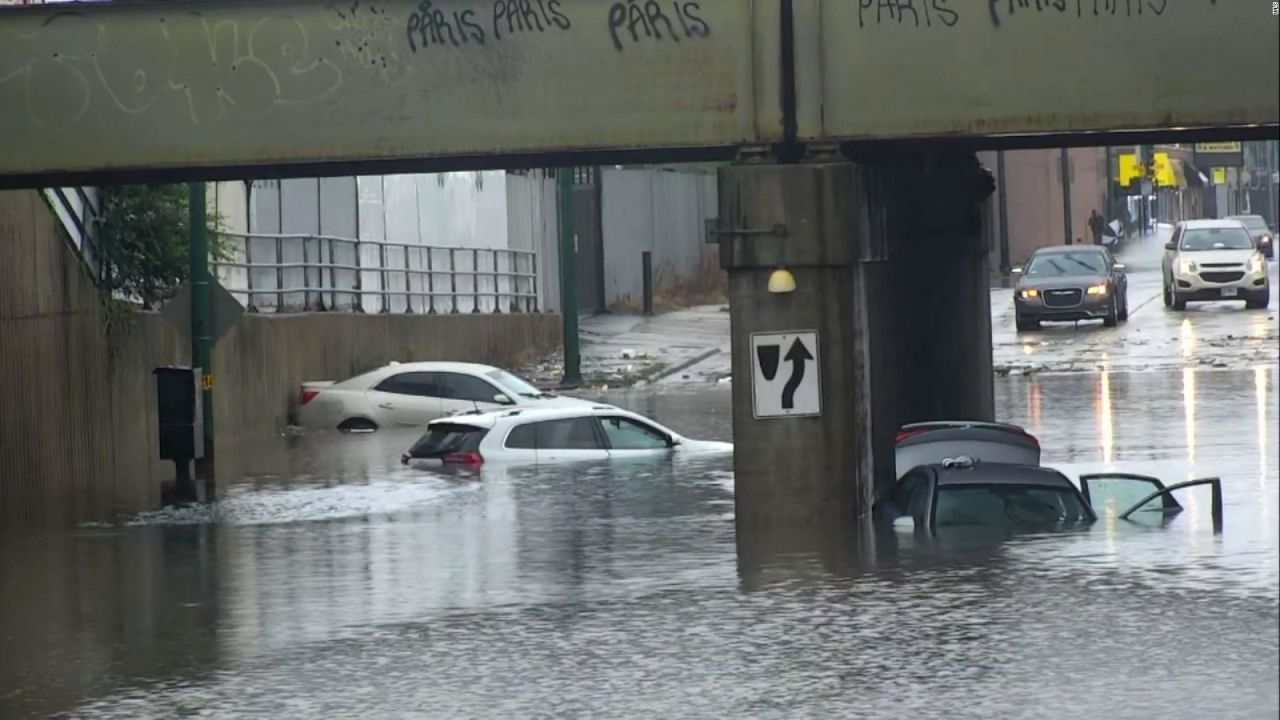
<point x="1070" y="283"/>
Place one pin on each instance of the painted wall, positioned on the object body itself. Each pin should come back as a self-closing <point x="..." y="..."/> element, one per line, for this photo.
<point x="1033" y="193"/>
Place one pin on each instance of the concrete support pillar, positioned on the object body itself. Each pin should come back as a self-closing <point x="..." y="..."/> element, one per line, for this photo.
<point x="801" y="218"/>
<point x="939" y="289"/>
<point x="890" y="271"/>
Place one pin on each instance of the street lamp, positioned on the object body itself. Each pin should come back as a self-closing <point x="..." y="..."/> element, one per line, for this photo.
<point x="781" y="281"/>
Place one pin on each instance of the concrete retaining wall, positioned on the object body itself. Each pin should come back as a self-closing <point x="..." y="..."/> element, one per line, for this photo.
<point x="260" y="364"/>
<point x="78" y="437"/>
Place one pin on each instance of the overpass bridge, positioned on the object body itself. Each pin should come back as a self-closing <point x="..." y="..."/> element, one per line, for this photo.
<point x="94" y="92"/>
<point x="852" y="124"/>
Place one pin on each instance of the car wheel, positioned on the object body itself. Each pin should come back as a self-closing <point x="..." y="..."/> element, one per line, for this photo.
<point x="357" y="425"/>
<point x="1113" y="313"/>
<point x="1168" y="295"/>
<point x="1124" y="308"/>
<point x="1259" y="301"/>
<point x="1178" y="303"/>
<point x="1025" y="325"/>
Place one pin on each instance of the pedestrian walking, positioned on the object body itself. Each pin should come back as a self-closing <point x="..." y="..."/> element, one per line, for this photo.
<point x="1096" y="224"/>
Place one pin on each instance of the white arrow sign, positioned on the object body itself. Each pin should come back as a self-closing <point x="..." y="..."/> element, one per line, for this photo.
<point x="785" y="374"/>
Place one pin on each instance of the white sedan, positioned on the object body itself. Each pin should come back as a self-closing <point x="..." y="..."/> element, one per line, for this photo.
<point x="415" y="394"/>
<point x="551" y="435"/>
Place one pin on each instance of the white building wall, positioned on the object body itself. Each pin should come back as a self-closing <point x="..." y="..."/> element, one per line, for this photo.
<point x="661" y="211"/>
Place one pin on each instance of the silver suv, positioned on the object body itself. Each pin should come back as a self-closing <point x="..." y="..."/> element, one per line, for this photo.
<point x="1214" y="260"/>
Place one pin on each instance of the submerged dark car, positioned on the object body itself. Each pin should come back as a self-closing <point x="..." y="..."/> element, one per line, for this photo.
<point x="1070" y="283"/>
<point x="965" y="493"/>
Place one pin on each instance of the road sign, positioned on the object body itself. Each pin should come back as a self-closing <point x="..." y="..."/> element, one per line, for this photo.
<point x="1222" y="154"/>
<point x="226" y="310"/>
<point x="785" y="374"/>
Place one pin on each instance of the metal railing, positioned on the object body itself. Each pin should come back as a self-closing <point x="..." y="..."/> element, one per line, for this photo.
<point x="300" y="273"/>
<point x="78" y="208"/>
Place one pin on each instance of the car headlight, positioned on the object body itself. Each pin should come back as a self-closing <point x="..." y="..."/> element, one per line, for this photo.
<point x="1188" y="266"/>
<point x="1097" y="290"/>
<point x="1257" y="264"/>
<point x="1030" y="294"/>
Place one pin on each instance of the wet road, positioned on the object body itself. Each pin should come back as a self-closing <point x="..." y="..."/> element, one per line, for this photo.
<point x="336" y="583"/>
<point x="1221" y="334"/>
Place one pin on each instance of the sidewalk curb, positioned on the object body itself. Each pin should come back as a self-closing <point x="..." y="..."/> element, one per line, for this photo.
<point x="684" y="365"/>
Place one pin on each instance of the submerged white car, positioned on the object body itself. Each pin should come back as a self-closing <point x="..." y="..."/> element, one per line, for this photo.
<point x="551" y="435"/>
<point x="416" y="393"/>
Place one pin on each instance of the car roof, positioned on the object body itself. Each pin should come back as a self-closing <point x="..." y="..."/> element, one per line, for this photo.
<point x="377" y="375"/>
<point x="981" y="473"/>
<point x="524" y="414"/>
<point x="1064" y="249"/>
<point x="1210" y="224"/>
<point x="1244" y="217"/>
<point x="438" y="366"/>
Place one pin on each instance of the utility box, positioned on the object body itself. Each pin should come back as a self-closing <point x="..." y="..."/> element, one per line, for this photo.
<point x="180" y="407"/>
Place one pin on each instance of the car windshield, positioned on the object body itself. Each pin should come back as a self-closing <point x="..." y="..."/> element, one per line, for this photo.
<point x="1253" y="222"/>
<point x="1226" y="238"/>
<point x="513" y="384"/>
<point x="1057" y="264"/>
<point x="1007" y="505"/>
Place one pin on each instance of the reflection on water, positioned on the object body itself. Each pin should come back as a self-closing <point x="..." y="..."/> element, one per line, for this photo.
<point x="336" y="582"/>
<point x="1189" y="412"/>
<point x="1106" y="427"/>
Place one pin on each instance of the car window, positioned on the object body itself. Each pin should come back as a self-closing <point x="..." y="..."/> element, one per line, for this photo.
<point x="1066" y="263"/>
<point x="524" y="437"/>
<point x="902" y="492"/>
<point x="1216" y="239"/>
<point x="513" y="384"/>
<point x="422" y="384"/>
<point x="627" y="434"/>
<point x="456" y="386"/>
<point x="1007" y="505"/>
<point x="571" y="434"/>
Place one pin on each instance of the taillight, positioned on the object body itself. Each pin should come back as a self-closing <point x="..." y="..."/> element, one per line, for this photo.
<point x="307" y="395"/>
<point x="463" y="458"/>
<point x="904" y="434"/>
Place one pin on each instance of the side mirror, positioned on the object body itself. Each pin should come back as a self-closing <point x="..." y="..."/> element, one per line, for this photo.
<point x="1016" y="271"/>
<point x="502" y="399"/>
<point x="1170" y="246"/>
<point x="1120" y="267"/>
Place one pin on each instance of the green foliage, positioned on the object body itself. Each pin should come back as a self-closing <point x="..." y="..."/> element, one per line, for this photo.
<point x="143" y="244"/>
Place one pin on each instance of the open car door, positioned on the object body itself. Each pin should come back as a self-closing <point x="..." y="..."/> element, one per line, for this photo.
<point x="1138" y="497"/>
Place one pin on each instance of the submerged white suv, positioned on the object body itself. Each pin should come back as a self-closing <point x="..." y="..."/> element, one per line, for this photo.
<point x="551" y="435"/>
<point x="1214" y="260"/>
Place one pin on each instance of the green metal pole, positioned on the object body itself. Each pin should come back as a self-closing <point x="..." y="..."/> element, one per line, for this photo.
<point x="569" y="279"/>
<point x="202" y="321"/>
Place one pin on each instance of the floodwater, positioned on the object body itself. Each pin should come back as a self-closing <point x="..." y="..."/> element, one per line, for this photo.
<point x="336" y="583"/>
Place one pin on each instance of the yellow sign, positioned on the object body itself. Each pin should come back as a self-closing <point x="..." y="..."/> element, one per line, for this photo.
<point x="1219" y="176"/>
<point x="207" y="381"/>
<point x="1163" y="171"/>
<point x="1221" y="147"/>
<point x="1130" y="168"/>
